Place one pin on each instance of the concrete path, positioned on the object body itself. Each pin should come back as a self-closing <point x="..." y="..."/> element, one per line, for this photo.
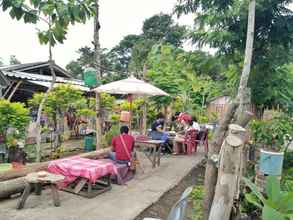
<point x="122" y="202"/>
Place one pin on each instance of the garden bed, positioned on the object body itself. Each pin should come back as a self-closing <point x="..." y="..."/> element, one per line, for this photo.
<point x="162" y="208"/>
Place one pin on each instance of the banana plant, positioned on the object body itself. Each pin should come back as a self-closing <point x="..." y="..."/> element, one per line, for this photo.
<point x="276" y="204"/>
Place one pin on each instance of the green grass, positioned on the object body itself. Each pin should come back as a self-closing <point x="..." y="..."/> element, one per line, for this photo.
<point x="5" y="167"/>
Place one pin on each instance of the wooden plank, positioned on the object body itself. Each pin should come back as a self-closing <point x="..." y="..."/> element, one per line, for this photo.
<point x="80" y="185"/>
<point x="55" y="195"/>
<point x="14" y="90"/>
<point x="24" y="196"/>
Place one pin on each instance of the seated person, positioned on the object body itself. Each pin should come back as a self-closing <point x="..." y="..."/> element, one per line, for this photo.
<point x="157" y="132"/>
<point x="122" y="147"/>
<point x="179" y="141"/>
<point x="195" y="124"/>
<point x="175" y="125"/>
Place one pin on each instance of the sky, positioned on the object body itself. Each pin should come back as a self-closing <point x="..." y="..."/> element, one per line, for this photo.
<point x="118" y="18"/>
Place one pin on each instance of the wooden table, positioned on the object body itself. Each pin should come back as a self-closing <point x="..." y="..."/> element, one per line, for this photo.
<point x="155" y="148"/>
<point x="36" y="183"/>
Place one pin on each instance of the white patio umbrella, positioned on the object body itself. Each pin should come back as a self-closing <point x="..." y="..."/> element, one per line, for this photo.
<point x="131" y="86"/>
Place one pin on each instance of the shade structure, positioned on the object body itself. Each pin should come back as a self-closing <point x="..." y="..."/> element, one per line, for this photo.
<point x="131" y="86"/>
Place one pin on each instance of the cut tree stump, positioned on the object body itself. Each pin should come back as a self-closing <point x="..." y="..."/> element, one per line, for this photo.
<point x="228" y="175"/>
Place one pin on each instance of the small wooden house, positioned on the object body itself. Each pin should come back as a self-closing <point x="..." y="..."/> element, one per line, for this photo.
<point x="26" y="79"/>
<point x="218" y="106"/>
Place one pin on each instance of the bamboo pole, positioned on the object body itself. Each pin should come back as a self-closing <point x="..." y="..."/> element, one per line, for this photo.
<point x="14" y="90"/>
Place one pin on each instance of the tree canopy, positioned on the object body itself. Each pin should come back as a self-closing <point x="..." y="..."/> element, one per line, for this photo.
<point x="131" y="52"/>
<point x="222" y="25"/>
<point x="56" y="14"/>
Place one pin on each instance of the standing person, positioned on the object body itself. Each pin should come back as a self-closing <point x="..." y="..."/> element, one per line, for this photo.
<point x="122" y="147"/>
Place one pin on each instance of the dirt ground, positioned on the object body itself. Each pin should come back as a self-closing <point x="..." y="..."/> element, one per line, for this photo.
<point x="162" y="208"/>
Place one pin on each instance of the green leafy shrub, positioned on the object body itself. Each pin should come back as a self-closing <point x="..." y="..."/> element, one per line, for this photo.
<point x="13" y="116"/>
<point x="108" y="136"/>
<point x="197" y="196"/>
<point x="115" y="117"/>
<point x="276" y="204"/>
<point x="270" y="134"/>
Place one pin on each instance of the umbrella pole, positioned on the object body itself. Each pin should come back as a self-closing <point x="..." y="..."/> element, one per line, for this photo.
<point x="130" y="112"/>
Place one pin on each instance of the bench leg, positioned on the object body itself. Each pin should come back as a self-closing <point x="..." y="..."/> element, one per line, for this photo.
<point x="55" y="195"/>
<point x="24" y="196"/>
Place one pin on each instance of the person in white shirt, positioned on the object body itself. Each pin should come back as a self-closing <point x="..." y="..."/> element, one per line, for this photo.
<point x="195" y="125"/>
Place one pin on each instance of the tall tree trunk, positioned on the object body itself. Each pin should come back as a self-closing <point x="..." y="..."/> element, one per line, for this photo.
<point x="243" y="98"/>
<point x="98" y="68"/>
<point x="40" y="109"/>
<point x="242" y="90"/>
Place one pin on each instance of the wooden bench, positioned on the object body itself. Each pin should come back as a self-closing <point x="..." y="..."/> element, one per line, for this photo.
<point x="33" y="181"/>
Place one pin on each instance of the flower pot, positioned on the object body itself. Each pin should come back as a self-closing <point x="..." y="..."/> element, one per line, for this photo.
<point x="271" y="163"/>
<point x="89" y="143"/>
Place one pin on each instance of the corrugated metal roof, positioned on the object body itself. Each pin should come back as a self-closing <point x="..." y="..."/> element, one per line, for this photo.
<point x="44" y="78"/>
<point x="3" y="81"/>
<point x="27" y="67"/>
<point x="21" y="66"/>
<point x="48" y="84"/>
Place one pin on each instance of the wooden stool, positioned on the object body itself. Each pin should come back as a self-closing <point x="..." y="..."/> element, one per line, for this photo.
<point x="33" y="181"/>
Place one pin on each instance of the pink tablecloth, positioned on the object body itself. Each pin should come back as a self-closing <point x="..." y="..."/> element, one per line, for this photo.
<point x="75" y="167"/>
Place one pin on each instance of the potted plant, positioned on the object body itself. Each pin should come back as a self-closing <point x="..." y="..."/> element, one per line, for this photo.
<point x="269" y="136"/>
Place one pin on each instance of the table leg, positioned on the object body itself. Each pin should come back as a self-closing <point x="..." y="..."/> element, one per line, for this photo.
<point x="154" y="157"/>
<point x="38" y="188"/>
<point x="24" y="196"/>
<point x="159" y="155"/>
<point x="55" y="195"/>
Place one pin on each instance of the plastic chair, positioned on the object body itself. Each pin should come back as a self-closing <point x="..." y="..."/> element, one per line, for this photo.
<point x="190" y="141"/>
<point x="178" y="211"/>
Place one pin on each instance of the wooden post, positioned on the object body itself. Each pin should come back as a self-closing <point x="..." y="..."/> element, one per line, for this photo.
<point x="8" y="89"/>
<point x="214" y="148"/>
<point x="144" y="118"/>
<point x="228" y="174"/>
<point x="14" y="90"/>
<point x="98" y="69"/>
<point x="130" y="99"/>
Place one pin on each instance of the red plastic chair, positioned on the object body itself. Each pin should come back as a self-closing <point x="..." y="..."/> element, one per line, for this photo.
<point x="190" y="141"/>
